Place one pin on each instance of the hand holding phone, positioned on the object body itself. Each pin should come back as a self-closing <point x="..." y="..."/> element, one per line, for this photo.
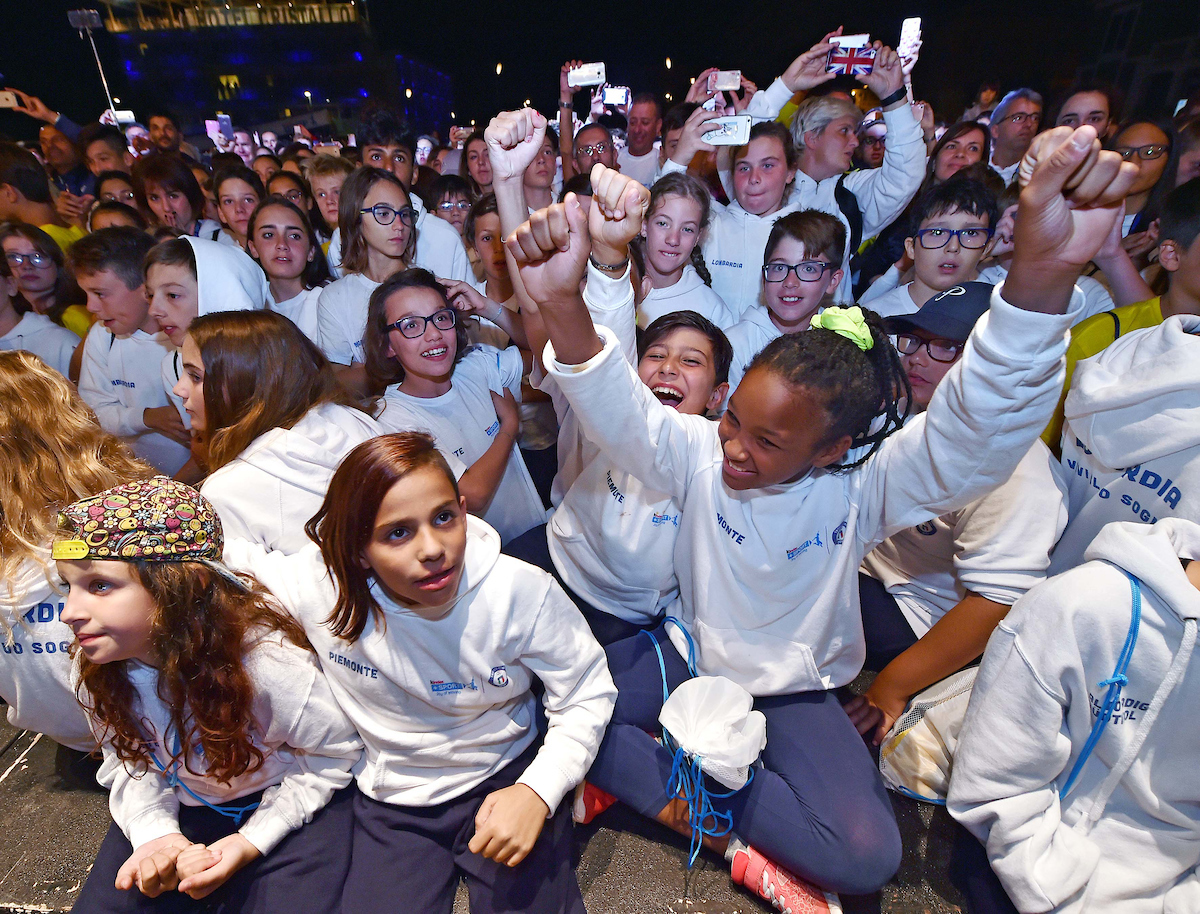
<point x="725" y="81"/>
<point x="10" y="100"/>
<point x="588" y="74"/>
<point x="728" y="131"/>
<point x="852" y="55"/>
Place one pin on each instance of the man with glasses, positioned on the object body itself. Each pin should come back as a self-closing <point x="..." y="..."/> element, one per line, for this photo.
<point x="954" y="226"/>
<point x="594" y="143"/>
<point x="1015" y="123"/>
<point x="931" y="595"/>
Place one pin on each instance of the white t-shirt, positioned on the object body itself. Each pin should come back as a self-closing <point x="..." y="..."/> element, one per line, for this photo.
<point x="301" y="311"/>
<point x="643" y="169"/>
<point x="342" y="317"/>
<point x="463" y="422"/>
<point x="36" y="333"/>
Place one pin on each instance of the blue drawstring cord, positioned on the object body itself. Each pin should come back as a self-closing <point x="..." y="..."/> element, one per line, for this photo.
<point x="687" y="774"/>
<point x="237" y="813"/>
<point x="1114" y="683"/>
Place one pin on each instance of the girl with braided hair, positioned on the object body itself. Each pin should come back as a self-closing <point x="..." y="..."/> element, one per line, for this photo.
<point x="670" y="256"/>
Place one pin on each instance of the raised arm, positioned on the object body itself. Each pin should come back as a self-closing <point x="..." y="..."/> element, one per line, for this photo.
<point x="992" y="404"/>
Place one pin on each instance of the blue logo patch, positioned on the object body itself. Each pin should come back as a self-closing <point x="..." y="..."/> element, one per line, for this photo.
<point x="443" y="685"/>
<point x="793" y="554"/>
<point x="499" y="677"/>
<point x="659" y="520"/>
<point x="839" y="535"/>
<point x="927" y="528"/>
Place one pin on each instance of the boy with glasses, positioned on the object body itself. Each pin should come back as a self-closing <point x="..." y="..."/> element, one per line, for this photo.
<point x="1015" y="123"/>
<point x="954" y="226"/>
<point x="932" y="594"/>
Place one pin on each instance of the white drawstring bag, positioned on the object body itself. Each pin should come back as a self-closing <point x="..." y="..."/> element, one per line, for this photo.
<point x="917" y="753"/>
<point x="712" y="718"/>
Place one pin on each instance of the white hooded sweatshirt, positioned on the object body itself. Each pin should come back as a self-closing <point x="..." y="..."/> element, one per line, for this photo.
<point x="227" y="279"/>
<point x="1126" y="839"/>
<point x="309" y="750"/>
<point x="765" y="575"/>
<point x="35" y="670"/>
<point x="690" y="293"/>
<point x="1131" y="439"/>
<point x="271" y="489"/>
<point x="748" y="337"/>
<point x="444" y="703"/>
<point x="36" y="333"/>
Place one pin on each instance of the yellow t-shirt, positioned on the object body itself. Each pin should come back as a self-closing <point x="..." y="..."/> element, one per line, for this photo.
<point x="1091" y="337"/>
<point x="64" y="236"/>
<point x="78" y="320"/>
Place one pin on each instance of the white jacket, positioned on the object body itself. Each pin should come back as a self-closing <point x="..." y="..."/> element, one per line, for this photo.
<point x="36" y="333"/>
<point x="1126" y="839"/>
<point x="765" y="576"/>
<point x="689" y="294"/>
<point x="443" y="704"/>
<point x="121" y="377"/>
<point x="309" y="746"/>
<point x="998" y="546"/>
<point x="35" y="672"/>
<point x="1131" y="439"/>
<point x="272" y="488"/>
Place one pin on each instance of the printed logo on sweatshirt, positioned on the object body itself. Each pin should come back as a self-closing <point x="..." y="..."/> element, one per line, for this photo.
<point x="117" y="382"/>
<point x="797" y="551"/>
<point x="445" y="685"/>
<point x="839" y="534"/>
<point x="1127" y="709"/>
<point x="926" y="529"/>
<point x="499" y="677"/>
<point x="613" y="490"/>
<point x="660" y="520"/>
<point x="492" y="429"/>
<point x="354" y="666"/>
<point x="459" y="452"/>
<point x="733" y="534"/>
<point x="724" y="263"/>
<point x="1164" y="489"/>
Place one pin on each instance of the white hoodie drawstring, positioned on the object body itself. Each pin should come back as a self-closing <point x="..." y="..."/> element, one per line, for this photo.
<point x="1174" y="673"/>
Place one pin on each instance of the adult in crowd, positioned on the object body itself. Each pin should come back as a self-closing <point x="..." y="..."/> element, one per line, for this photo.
<point x="1014" y="124"/>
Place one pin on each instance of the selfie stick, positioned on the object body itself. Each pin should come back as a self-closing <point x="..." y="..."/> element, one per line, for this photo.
<point x="85" y="21"/>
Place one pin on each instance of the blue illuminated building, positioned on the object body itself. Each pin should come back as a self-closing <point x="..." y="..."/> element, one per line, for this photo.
<point x="257" y="60"/>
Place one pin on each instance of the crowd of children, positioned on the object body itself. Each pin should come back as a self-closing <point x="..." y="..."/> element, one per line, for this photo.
<point x="366" y="520"/>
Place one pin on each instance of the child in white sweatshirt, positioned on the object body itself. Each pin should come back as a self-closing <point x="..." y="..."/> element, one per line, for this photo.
<point x="224" y="749"/>
<point x="800" y="274"/>
<point x="121" y="376"/>
<point x="671" y="257"/>
<point x="1076" y="765"/>
<point x="282" y="241"/>
<point x="43" y="415"/>
<point x="931" y="595"/>
<point x="431" y="640"/>
<point x="465" y="396"/>
<point x="31" y="331"/>
<point x="778" y="514"/>
<point x="275" y="421"/>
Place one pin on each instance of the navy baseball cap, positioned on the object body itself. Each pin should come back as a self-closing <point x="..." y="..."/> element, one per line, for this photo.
<point x="949" y="315"/>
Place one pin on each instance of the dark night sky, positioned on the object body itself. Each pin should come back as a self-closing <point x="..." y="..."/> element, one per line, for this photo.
<point x="1032" y="42"/>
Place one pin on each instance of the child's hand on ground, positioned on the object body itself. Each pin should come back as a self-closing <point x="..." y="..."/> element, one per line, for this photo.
<point x="508" y="824"/>
<point x="151" y="867"/>
<point x="231" y="854"/>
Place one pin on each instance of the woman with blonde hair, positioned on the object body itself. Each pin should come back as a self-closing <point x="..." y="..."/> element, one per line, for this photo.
<point x="52" y="452"/>
<point x="275" y="420"/>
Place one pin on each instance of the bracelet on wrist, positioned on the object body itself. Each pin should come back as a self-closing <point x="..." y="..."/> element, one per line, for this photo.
<point x="896" y="96"/>
<point x="608" y="267"/>
<point x="565" y="106"/>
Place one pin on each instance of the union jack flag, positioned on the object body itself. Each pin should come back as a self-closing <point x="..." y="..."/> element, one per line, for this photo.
<point x="851" y="61"/>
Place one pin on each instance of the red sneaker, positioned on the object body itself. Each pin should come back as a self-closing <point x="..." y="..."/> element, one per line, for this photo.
<point x="590" y="801"/>
<point x="788" y="893"/>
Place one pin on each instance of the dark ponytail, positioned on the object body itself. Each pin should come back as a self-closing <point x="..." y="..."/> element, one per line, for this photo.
<point x="865" y="393"/>
<point x="700" y="266"/>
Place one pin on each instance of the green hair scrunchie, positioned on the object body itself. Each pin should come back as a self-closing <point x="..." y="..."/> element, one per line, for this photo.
<point x="848" y="322"/>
